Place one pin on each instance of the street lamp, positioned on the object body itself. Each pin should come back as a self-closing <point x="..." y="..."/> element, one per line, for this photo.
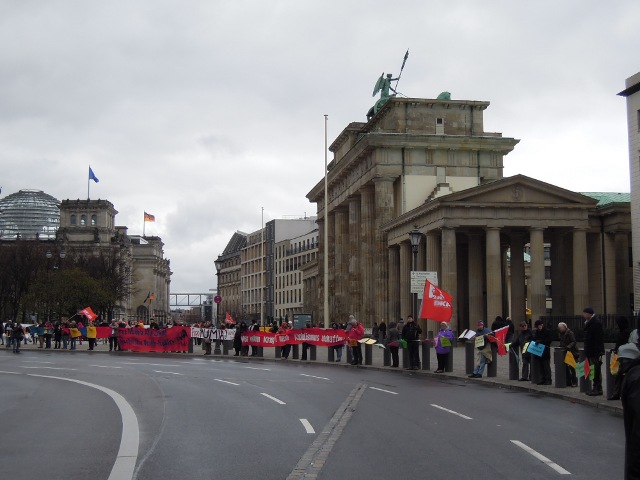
<point x="218" y="264"/>
<point x="415" y="235"/>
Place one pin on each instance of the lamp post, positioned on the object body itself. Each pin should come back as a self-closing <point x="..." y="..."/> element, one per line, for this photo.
<point x="415" y="235"/>
<point x="218" y="264"/>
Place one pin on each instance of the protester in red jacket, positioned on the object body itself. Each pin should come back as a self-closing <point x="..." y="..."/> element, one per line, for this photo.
<point x="355" y="333"/>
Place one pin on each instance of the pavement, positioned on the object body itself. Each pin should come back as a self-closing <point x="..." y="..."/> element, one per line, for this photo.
<point x="501" y="380"/>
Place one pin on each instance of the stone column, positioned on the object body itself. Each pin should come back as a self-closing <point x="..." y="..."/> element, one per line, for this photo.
<point x="422" y="254"/>
<point x="449" y="279"/>
<point x="536" y="279"/>
<point x="384" y="208"/>
<point x="432" y="241"/>
<point x="354" y="255"/>
<point x="494" y="274"/>
<point x="518" y="303"/>
<point x="580" y="271"/>
<point x="558" y="268"/>
<point x="476" y="280"/>
<point x="405" y="280"/>
<point x="341" y="246"/>
<point x="366" y="254"/>
<point x="622" y="285"/>
<point x="394" y="284"/>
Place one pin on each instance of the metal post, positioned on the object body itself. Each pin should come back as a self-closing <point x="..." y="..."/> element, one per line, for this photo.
<point x="449" y="366"/>
<point x="469" y="359"/>
<point x="296" y="352"/>
<point x="609" y="380"/>
<point x="368" y="354"/>
<point x="331" y="354"/>
<point x="560" y="368"/>
<point x="386" y="358"/>
<point x="313" y="353"/>
<point x="405" y="358"/>
<point x="492" y="368"/>
<point x="514" y="367"/>
<point x="426" y="355"/>
<point x="326" y="231"/>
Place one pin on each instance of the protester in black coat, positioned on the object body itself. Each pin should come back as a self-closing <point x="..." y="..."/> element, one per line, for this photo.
<point x="518" y="344"/>
<point x="542" y="335"/>
<point x="630" y="397"/>
<point x="621" y="339"/>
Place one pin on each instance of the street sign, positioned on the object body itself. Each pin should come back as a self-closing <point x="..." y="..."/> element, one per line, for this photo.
<point x="418" y="279"/>
<point x="217" y="299"/>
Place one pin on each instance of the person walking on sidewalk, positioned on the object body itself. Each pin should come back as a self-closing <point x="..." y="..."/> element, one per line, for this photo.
<point x="483" y="352"/>
<point x="593" y="348"/>
<point x="393" y="343"/>
<point x="518" y="344"/>
<point x="443" y="351"/>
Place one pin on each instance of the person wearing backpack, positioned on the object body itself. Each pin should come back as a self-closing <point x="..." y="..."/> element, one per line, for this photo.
<point x="411" y="334"/>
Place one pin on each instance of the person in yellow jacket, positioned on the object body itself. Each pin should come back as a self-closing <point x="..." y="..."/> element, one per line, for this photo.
<point x="92" y="333"/>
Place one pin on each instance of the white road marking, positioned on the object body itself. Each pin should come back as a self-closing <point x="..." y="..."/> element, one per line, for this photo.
<point x="273" y="398"/>
<point x="103" y="366"/>
<point x="383" y="390"/>
<point x="541" y="457"/>
<point x="33" y="361"/>
<point x="50" y="368"/>
<point x="152" y="364"/>
<point x="128" y="453"/>
<point x="12" y="373"/>
<point x="451" y="411"/>
<point x="256" y="368"/>
<point x="172" y="373"/>
<point x="226" y="381"/>
<point x="307" y="426"/>
<point x="313" y="376"/>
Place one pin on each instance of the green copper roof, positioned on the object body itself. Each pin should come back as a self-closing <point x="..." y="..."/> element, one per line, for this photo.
<point x="608" y="198"/>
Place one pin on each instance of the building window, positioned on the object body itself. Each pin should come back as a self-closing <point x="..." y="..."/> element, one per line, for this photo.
<point x="638" y="120"/>
<point x="94" y="220"/>
<point x="83" y="220"/>
<point x="73" y="219"/>
<point x="547" y="272"/>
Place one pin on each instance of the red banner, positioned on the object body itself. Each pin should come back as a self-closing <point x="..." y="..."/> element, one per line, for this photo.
<point x="137" y="339"/>
<point x="313" y="336"/>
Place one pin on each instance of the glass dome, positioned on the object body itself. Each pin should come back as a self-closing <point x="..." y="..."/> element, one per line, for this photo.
<point x="30" y="214"/>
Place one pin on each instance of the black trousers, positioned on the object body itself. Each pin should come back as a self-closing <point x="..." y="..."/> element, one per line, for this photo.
<point x="305" y="348"/>
<point x="442" y="360"/>
<point x="113" y="343"/>
<point x="92" y="343"/>
<point x="413" y="349"/>
<point x="394" y="356"/>
<point x="596" y="365"/>
<point x="357" y="354"/>
<point x="286" y="350"/>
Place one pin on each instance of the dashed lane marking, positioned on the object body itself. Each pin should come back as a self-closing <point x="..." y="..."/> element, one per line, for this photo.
<point x="383" y="390"/>
<point x="152" y="364"/>
<point x="171" y="373"/>
<point x="273" y="398"/>
<point x="226" y="381"/>
<point x="541" y="457"/>
<point x="453" y="412"/>
<point x="104" y="366"/>
<point x="256" y="368"/>
<point x="307" y="426"/>
<point x="313" y="376"/>
<point x="50" y="368"/>
<point x="34" y="361"/>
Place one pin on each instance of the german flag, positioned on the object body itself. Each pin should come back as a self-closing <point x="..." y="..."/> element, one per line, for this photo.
<point x="149" y="218"/>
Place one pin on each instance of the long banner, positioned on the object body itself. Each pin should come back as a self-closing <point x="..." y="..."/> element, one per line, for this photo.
<point x="174" y="339"/>
<point x="313" y="336"/>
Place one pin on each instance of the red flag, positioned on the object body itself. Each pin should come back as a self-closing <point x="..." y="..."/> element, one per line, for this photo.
<point x="228" y="320"/>
<point x="87" y="312"/>
<point x="587" y="368"/>
<point x="499" y="337"/>
<point x="436" y="304"/>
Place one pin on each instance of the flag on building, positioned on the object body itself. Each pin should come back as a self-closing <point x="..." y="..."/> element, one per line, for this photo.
<point x="92" y="176"/>
<point x="87" y="312"/>
<point x="147" y="299"/>
<point x="436" y="304"/>
<point x="149" y="218"/>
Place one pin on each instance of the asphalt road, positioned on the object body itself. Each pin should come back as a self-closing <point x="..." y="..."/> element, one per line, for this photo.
<point x="203" y="418"/>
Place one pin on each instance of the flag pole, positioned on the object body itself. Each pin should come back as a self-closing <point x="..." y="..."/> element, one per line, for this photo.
<point x="144" y="225"/>
<point x="88" y="183"/>
<point x="326" y="233"/>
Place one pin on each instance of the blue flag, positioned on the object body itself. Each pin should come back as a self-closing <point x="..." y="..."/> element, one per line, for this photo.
<point x="92" y="176"/>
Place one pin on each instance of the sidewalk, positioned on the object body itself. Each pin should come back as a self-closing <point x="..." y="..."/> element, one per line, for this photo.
<point x="501" y="380"/>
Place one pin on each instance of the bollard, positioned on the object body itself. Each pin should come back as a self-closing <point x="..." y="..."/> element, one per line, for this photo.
<point x="261" y="351"/>
<point x="454" y="342"/>
<point x="560" y="368"/>
<point x="426" y="355"/>
<point x="312" y="352"/>
<point x="609" y="380"/>
<point x="405" y="358"/>
<point x="331" y="354"/>
<point x="536" y="369"/>
<point x="469" y="360"/>
<point x="492" y="368"/>
<point x="514" y="367"/>
<point x="278" y="352"/>
<point x="449" y="366"/>
<point x="386" y="357"/>
<point x="296" y="352"/>
<point x="349" y="355"/>
<point x="368" y="354"/>
<point x="226" y="346"/>
<point x="190" y="348"/>
<point x="430" y="335"/>
<point x="216" y="350"/>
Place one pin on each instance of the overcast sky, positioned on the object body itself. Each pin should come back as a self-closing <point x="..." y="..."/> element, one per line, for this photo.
<point x="202" y="112"/>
